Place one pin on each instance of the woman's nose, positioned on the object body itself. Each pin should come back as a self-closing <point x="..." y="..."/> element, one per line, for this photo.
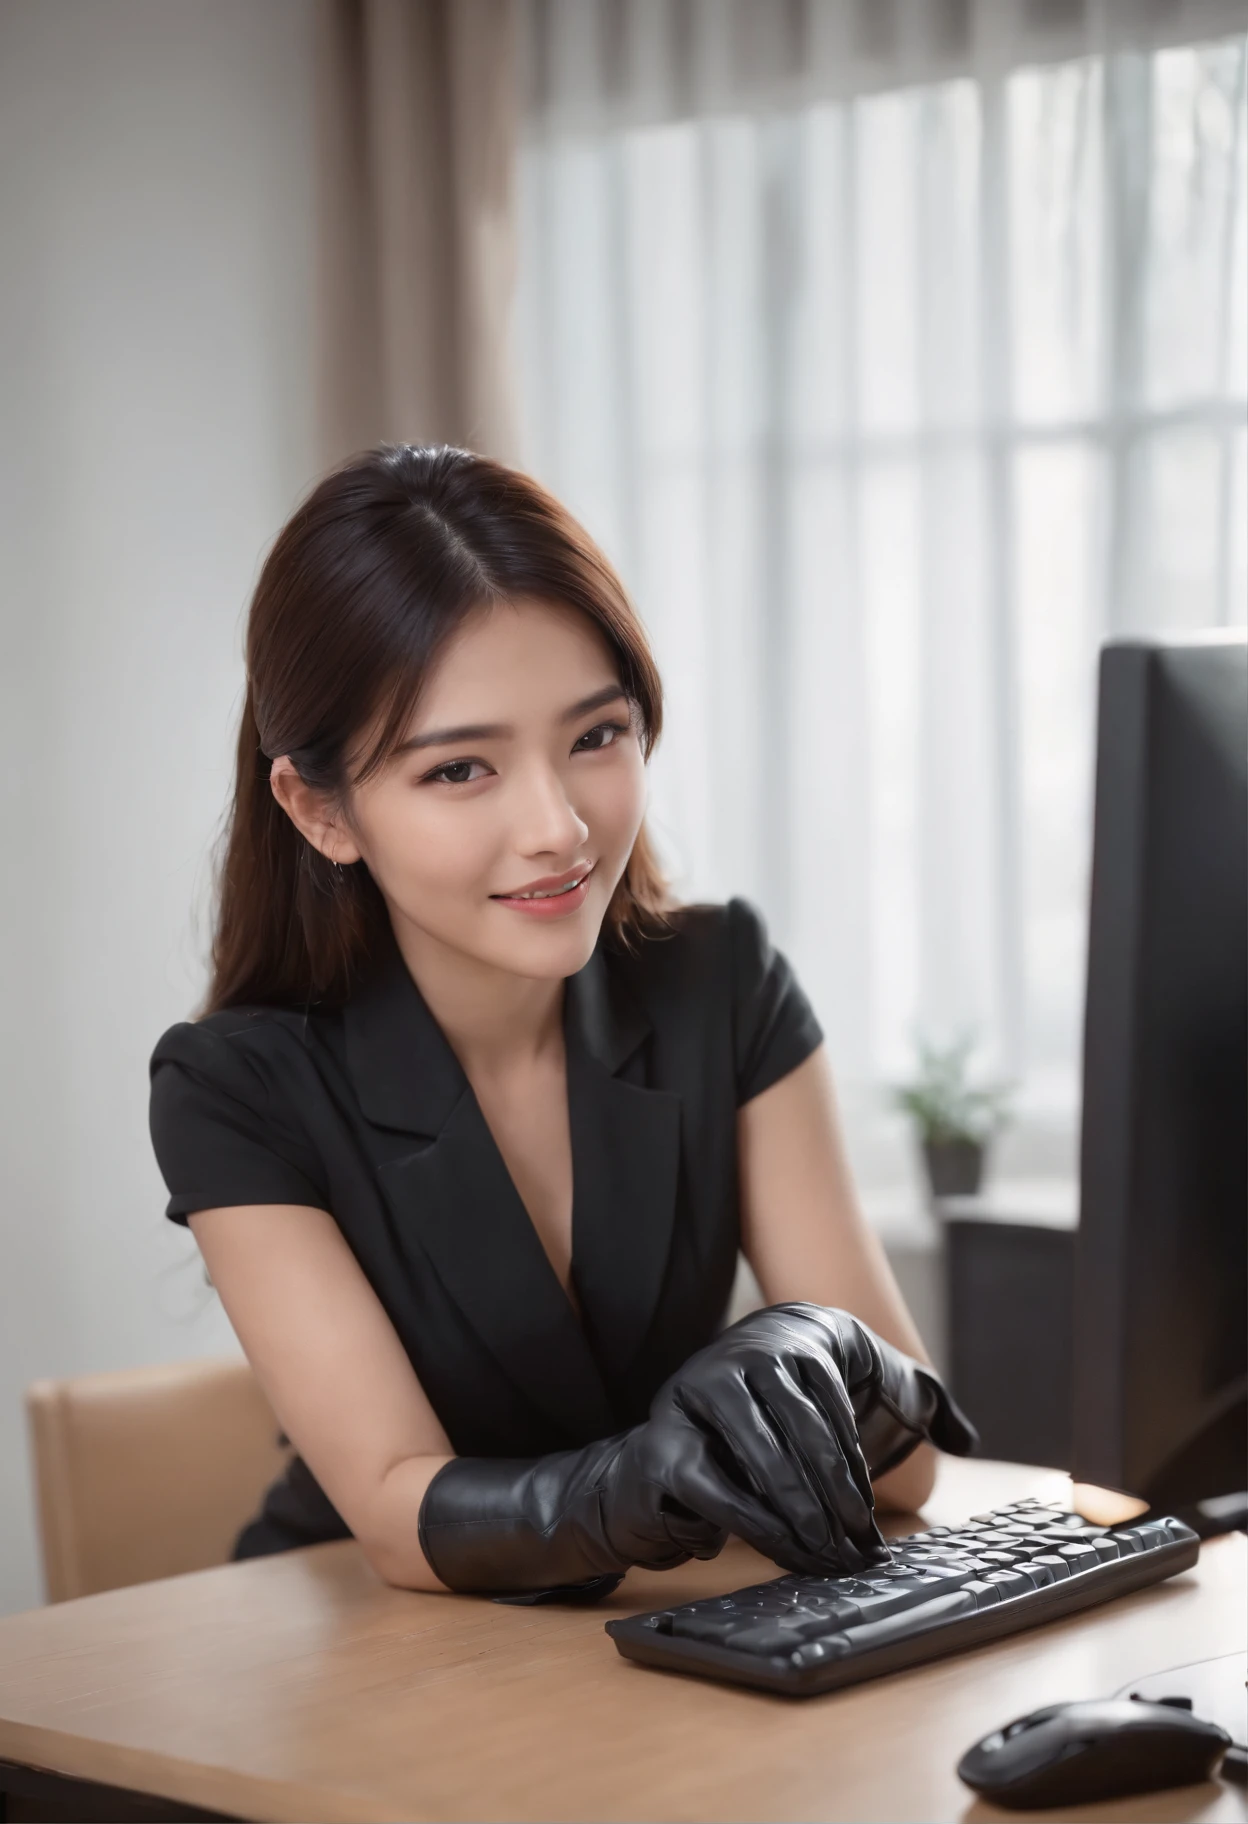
<point x="546" y="819"/>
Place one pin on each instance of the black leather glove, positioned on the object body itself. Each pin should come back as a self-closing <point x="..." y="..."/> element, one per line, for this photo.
<point x="805" y="1406"/>
<point x="568" y="1525"/>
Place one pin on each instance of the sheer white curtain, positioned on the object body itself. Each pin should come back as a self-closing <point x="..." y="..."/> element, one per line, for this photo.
<point x="897" y="356"/>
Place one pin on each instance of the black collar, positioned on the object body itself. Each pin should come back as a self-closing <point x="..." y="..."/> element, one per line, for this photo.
<point x="456" y="1194"/>
<point x="404" y="1070"/>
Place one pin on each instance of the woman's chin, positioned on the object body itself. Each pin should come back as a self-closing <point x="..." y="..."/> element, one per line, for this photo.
<point x="548" y="946"/>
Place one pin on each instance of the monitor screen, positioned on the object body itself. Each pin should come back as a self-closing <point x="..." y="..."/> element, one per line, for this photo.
<point x="1161" y="1282"/>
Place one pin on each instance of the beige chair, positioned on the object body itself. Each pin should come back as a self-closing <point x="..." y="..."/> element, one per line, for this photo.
<point x="147" y="1472"/>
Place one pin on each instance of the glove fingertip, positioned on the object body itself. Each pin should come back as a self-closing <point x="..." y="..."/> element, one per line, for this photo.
<point x="705" y="1543"/>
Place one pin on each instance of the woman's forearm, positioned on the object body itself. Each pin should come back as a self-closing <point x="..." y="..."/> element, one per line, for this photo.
<point x="391" y="1541"/>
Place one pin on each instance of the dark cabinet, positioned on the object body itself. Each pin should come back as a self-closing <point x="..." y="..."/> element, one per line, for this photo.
<point x="1009" y="1295"/>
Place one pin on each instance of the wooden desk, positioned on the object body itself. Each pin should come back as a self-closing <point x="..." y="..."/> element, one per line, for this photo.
<point x="301" y="1687"/>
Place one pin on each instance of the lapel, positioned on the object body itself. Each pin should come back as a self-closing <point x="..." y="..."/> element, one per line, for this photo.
<point x="456" y="1193"/>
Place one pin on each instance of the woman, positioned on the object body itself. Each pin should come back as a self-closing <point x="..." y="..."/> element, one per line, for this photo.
<point x="475" y="1120"/>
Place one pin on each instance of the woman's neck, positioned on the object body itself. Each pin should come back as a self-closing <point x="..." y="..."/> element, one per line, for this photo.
<point x="497" y="1023"/>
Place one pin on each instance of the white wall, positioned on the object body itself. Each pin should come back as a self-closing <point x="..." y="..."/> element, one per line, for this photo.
<point x="155" y="220"/>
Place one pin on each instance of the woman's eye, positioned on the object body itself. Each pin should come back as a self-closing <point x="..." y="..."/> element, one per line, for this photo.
<point x="612" y="728"/>
<point x="456" y="767"/>
<point x="456" y="772"/>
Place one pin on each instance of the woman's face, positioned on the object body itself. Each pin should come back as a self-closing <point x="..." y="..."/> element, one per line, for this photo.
<point x="522" y="761"/>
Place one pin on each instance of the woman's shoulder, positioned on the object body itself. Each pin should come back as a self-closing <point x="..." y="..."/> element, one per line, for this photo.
<point x="224" y="1113"/>
<point x="232" y="1047"/>
<point x="724" y="941"/>
<point x="713" y="955"/>
<point x="720" y="968"/>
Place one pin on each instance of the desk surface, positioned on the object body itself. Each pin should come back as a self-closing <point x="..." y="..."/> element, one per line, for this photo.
<point x="301" y="1687"/>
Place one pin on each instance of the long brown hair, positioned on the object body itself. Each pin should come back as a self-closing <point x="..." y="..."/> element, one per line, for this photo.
<point x="364" y="584"/>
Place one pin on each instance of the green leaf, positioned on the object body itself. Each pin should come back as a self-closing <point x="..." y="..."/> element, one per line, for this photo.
<point x="943" y="1104"/>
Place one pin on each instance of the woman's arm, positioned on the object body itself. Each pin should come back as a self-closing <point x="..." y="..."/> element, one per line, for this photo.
<point x="334" y="1371"/>
<point x="341" y="1383"/>
<point x="805" y="1237"/>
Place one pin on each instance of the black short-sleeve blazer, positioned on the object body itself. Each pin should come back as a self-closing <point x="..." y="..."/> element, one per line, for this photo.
<point x="364" y="1111"/>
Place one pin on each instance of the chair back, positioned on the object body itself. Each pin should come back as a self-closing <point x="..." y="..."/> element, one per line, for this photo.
<point x="147" y="1472"/>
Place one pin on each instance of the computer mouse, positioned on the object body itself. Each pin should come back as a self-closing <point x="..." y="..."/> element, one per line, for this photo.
<point x="1067" y="1754"/>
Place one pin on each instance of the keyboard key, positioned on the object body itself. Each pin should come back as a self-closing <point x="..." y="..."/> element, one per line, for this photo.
<point x="985" y="1593"/>
<point x="1160" y="1532"/>
<point x="1149" y="1533"/>
<point x="1059" y="1566"/>
<point x="1010" y="1583"/>
<point x="1079" y="1557"/>
<point x="938" y="1612"/>
<point x="892" y="1598"/>
<point x="705" y="1626"/>
<point x="662" y="1622"/>
<point x="779" y="1634"/>
<point x="818" y="1652"/>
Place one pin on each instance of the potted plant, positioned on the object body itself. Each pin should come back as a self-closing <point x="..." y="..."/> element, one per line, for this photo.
<point x="954" y="1118"/>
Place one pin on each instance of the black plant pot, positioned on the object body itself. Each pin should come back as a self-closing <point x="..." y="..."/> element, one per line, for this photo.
<point x="955" y="1168"/>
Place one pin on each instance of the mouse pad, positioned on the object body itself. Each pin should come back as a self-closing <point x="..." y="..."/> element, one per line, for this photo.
<point x="1218" y="1689"/>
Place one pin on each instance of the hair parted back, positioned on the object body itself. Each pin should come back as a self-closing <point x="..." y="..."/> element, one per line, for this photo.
<point x="368" y="579"/>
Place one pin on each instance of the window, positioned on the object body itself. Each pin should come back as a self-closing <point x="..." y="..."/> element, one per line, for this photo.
<point x="890" y="407"/>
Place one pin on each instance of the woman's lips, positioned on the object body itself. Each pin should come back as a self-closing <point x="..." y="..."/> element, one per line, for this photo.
<point x="560" y="905"/>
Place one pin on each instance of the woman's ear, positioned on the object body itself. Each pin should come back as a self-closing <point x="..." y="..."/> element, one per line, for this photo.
<point x="308" y="810"/>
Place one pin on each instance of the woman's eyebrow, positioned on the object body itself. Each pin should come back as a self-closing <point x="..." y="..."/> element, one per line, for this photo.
<point x="496" y="731"/>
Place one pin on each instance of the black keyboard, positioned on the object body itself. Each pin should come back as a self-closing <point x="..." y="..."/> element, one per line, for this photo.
<point x="947" y="1588"/>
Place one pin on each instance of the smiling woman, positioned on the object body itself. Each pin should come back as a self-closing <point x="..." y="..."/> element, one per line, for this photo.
<point x="549" y="801"/>
<point x="476" y="1119"/>
<point x="393" y="561"/>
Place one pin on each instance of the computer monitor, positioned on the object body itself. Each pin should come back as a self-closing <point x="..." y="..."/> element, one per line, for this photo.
<point x="1161" y="1277"/>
